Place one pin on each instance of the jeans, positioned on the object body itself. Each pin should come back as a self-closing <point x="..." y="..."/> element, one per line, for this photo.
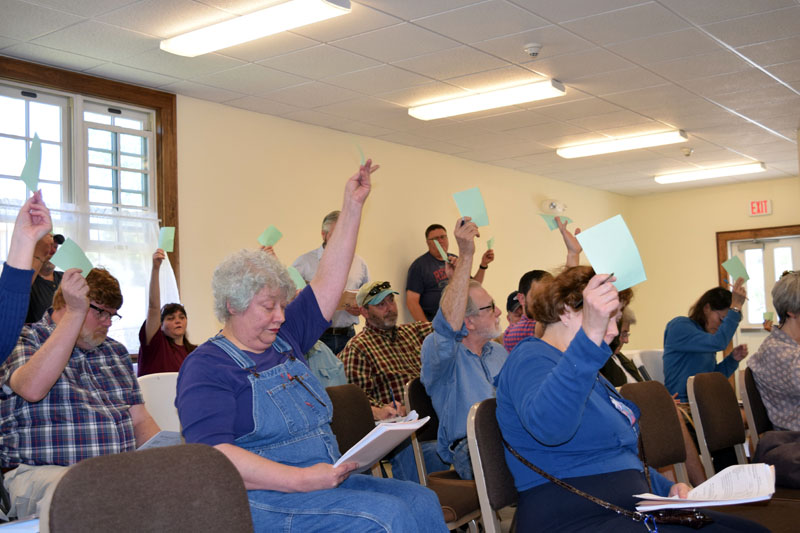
<point x="404" y="464"/>
<point x="336" y="342"/>
<point x="361" y="503"/>
<point x="461" y="460"/>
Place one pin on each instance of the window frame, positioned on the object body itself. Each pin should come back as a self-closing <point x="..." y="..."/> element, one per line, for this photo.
<point x="164" y="105"/>
<point x="724" y="237"/>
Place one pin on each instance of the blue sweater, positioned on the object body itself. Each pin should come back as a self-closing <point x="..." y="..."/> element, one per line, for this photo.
<point x="15" y="291"/>
<point x="556" y="410"/>
<point x="690" y="350"/>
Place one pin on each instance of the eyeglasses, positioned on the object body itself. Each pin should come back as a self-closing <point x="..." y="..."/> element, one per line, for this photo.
<point x="485" y="307"/>
<point x="102" y="314"/>
<point x="379" y="287"/>
<point x="439" y="238"/>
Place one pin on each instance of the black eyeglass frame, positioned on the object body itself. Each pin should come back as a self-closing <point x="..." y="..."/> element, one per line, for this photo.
<point x="102" y="313"/>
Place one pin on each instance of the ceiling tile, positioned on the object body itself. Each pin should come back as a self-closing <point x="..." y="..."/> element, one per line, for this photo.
<point x="24" y="21"/>
<point x="543" y="132"/>
<point x="451" y="63"/>
<point x="250" y="79"/>
<point x="564" y="10"/>
<point x="414" y="9"/>
<point x="49" y="56"/>
<point x="310" y="95"/>
<point x="771" y="101"/>
<point x="95" y="39"/>
<point x="262" y="105"/>
<point x="610" y="120"/>
<point x="625" y="24"/>
<point x="511" y="120"/>
<point x="450" y="130"/>
<point x="361" y="19"/>
<point x="750" y="79"/>
<point x="200" y="91"/>
<point x="652" y="97"/>
<point x="164" y="18"/>
<point x="495" y="79"/>
<point x="5" y="42"/>
<point x="239" y="7"/>
<point x="396" y="43"/>
<point x="709" y="11"/>
<point x="666" y="46"/>
<point x="787" y="72"/>
<point x="313" y="117"/>
<point x="773" y="52"/>
<point x="271" y="46"/>
<point x="580" y="109"/>
<point x="570" y="67"/>
<point x="421" y="94"/>
<point x="369" y="110"/>
<point x="378" y="80"/>
<point x="618" y="81"/>
<point x="555" y="40"/>
<point x="157" y="60"/>
<point x="319" y="62"/>
<point x="479" y="22"/>
<point x="758" y="28"/>
<point x="130" y="75"/>
<point x="362" y="128"/>
<point x="86" y="8"/>
<point x="700" y="66"/>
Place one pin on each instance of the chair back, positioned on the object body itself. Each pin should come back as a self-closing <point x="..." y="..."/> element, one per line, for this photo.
<point x="417" y="399"/>
<point x="352" y="416"/>
<point x="757" y="418"/>
<point x="191" y="487"/>
<point x="652" y="360"/>
<point x="662" y="438"/>
<point x="494" y="481"/>
<point x="717" y="418"/>
<point x="158" y="391"/>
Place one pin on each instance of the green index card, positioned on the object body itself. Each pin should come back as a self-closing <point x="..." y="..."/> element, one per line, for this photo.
<point x="735" y="268"/>
<point x="470" y="204"/>
<point x="166" y="238"/>
<point x="610" y="248"/>
<point x="270" y="236"/>
<point x="769" y="315"/>
<point x="70" y="255"/>
<point x="441" y="250"/>
<point x="551" y="220"/>
<point x="299" y="282"/>
<point x="30" y="172"/>
<point x="361" y="154"/>
<point x="490" y="243"/>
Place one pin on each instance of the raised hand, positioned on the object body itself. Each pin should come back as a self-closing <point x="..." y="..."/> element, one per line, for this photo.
<point x="574" y="248"/>
<point x="359" y="184"/>
<point x="75" y="291"/>
<point x="465" y="233"/>
<point x="600" y="303"/>
<point x="158" y="258"/>
<point x="488" y="257"/>
<point x="738" y="293"/>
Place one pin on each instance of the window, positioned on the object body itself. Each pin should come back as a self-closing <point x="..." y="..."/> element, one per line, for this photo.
<point x="100" y="175"/>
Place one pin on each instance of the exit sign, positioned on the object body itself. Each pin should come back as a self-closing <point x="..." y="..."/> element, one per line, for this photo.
<point x="760" y="207"/>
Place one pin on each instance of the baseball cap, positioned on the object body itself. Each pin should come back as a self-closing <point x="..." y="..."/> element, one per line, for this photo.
<point x="373" y="293"/>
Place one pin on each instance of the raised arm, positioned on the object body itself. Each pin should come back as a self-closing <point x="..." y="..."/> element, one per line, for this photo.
<point x="153" y="322"/>
<point x="454" y="300"/>
<point x="33" y="380"/>
<point x="334" y="266"/>
<point x="33" y="223"/>
<point x="574" y="248"/>
<point x="486" y="258"/>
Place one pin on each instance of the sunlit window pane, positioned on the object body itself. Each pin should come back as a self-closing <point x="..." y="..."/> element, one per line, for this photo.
<point x="101" y="177"/>
<point x="132" y="199"/>
<point x="12" y="189"/>
<point x="783" y="261"/>
<point x="45" y="119"/>
<point x="97" y="157"/>
<point x="129" y="161"/>
<point x="757" y="301"/>
<point x="100" y="196"/>
<point x="51" y="194"/>
<point x="128" y="123"/>
<point x="12" y="156"/>
<point x="96" y="117"/>
<point x="131" y="144"/>
<point x="132" y="181"/>
<point x="12" y="111"/>
<point x="51" y="162"/>
<point x="100" y="139"/>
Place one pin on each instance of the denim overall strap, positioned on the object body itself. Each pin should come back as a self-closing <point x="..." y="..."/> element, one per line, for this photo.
<point x="239" y="357"/>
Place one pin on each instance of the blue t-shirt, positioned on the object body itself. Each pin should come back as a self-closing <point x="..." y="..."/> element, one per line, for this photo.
<point x="427" y="277"/>
<point x="214" y="396"/>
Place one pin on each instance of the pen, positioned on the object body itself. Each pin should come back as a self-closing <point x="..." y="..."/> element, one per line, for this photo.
<point x="580" y="302"/>
<point x="394" y="403"/>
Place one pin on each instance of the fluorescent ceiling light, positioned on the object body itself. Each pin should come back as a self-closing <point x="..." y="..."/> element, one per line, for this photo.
<point x="520" y="94"/>
<point x="708" y="173"/>
<point x="626" y="143"/>
<point x="274" y="19"/>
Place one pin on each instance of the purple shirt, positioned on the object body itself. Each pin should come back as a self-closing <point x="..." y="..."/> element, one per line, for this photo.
<point x="517" y="332"/>
<point x="214" y="396"/>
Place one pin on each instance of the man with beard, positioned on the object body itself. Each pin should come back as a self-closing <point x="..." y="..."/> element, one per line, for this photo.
<point x="459" y="359"/>
<point x="69" y="392"/>
<point x="381" y="359"/>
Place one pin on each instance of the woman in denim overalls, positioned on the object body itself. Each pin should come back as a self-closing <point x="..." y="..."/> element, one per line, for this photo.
<point x="249" y="392"/>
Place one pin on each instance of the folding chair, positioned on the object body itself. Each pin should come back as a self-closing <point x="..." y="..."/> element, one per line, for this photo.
<point x="158" y="391"/>
<point x="757" y="418"/>
<point x="352" y="417"/>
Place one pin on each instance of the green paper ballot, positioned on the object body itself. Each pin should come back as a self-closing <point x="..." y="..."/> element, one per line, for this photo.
<point x="361" y="154"/>
<point x="270" y="236"/>
<point x="610" y="248"/>
<point x="299" y="282"/>
<point x="166" y="238"/>
<point x="470" y="204"/>
<point x="441" y="250"/>
<point x="735" y="268"/>
<point x="490" y="243"/>
<point x="769" y="315"/>
<point x="70" y="255"/>
<point x="551" y="220"/>
<point x="30" y="172"/>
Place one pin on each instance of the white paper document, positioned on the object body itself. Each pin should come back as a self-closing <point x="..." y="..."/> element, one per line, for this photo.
<point x="162" y="438"/>
<point x="736" y="484"/>
<point x="380" y="441"/>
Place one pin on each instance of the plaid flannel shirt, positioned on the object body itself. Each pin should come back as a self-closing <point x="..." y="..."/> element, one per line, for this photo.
<point x="379" y="361"/>
<point x="85" y="414"/>
<point x="517" y="332"/>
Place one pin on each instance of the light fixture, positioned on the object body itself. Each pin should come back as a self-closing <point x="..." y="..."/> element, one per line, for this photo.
<point x="708" y="173"/>
<point x="625" y="143"/>
<point x="274" y="19"/>
<point x="519" y="94"/>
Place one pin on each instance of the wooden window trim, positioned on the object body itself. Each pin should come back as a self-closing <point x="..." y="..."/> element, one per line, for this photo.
<point x="164" y="105"/>
<point x="724" y="237"/>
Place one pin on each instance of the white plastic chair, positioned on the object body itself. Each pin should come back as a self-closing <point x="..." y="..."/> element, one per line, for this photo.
<point x="652" y="360"/>
<point x="158" y="391"/>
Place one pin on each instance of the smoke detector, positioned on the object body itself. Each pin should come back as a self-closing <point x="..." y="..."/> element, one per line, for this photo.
<point x="533" y="49"/>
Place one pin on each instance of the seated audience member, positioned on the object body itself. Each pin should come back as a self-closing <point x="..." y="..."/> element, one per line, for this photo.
<point x="559" y="414"/>
<point x="381" y="359"/>
<point x="68" y="392"/>
<point x="45" y="279"/>
<point x="514" y="309"/>
<point x="620" y="370"/>
<point x="325" y="366"/>
<point x="526" y="327"/>
<point x="249" y="393"/>
<point x="459" y="359"/>
<point x="162" y="338"/>
<point x="427" y="275"/>
<point x="691" y="343"/>
<point x="776" y="364"/>
<point x="32" y="224"/>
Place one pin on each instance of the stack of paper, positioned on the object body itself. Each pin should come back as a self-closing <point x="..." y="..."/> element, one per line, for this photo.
<point x="380" y="441"/>
<point x="736" y="484"/>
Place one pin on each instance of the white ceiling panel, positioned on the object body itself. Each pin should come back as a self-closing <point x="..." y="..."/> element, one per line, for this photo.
<point x="268" y="47"/>
<point x="451" y="63"/>
<point x="618" y="81"/>
<point x="311" y="95"/>
<point x="396" y="43"/>
<point x="778" y="24"/>
<point x="164" y="18"/>
<point x="319" y="62"/>
<point x="361" y="19"/>
<point x="666" y="46"/>
<point x="130" y="75"/>
<point x="85" y="8"/>
<point x="570" y="67"/>
<point x="50" y="56"/>
<point x="95" y="39"/>
<point x="625" y="24"/>
<point x="378" y="80"/>
<point x="564" y="10"/>
<point x="251" y="78"/>
<point x="202" y="92"/>
<point x="421" y="94"/>
<point x="700" y="66"/>
<point x="708" y="11"/>
<point x="262" y="105"/>
<point x="25" y="21"/>
<point x="773" y="52"/>
<point x="415" y="9"/>
<point x="156" y="60"/>
<point x="555" y="40"/>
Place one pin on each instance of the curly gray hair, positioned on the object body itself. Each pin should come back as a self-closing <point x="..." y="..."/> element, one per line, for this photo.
<point x="241" y="275"/>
